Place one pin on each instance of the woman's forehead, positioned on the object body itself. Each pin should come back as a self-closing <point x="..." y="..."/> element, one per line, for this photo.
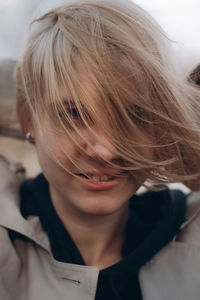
<point x="87" y="87"/>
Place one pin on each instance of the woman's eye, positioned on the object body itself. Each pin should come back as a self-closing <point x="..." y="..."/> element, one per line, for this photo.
<point x="135" y="113"/>
<point x="73" y="113"/>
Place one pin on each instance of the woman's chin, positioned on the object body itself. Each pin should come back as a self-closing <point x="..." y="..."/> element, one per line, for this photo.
<point x="101" y="208"/>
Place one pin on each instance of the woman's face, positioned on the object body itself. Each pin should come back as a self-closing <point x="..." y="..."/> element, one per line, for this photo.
<point x="105" y="193"/>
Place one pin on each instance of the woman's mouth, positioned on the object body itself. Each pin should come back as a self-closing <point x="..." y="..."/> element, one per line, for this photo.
<point x="97" y="178"/>
<point x="98" y="182"/>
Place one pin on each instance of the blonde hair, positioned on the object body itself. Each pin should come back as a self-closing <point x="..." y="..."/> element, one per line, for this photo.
<point x="125" y="55"/>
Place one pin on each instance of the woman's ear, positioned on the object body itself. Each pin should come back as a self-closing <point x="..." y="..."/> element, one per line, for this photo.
<point x="30" y="132"/>
<point x="30" y="137"/>
<point x="24" y="116"/>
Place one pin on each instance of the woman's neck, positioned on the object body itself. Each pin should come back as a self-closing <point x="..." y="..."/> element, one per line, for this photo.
<point x="98" y="238"/>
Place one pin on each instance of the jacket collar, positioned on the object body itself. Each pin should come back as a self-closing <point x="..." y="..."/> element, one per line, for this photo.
<point x="11" y="218"/>
<point x="12" y="175"/>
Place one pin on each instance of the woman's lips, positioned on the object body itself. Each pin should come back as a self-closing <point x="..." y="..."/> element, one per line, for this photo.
<point x="98" y="185"/>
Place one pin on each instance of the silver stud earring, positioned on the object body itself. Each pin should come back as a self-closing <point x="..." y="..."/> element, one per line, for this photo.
<point x="28" y="134"/>
<point x="30" y="138"/>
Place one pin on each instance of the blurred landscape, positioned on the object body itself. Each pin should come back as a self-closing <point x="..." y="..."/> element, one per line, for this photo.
<point x="11" y="137"/>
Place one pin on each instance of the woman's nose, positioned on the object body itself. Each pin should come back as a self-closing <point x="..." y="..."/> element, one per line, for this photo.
<point x="100" y="146"/>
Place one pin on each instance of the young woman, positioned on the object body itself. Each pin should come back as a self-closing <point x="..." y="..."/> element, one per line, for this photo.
<point x="100" y="99"/>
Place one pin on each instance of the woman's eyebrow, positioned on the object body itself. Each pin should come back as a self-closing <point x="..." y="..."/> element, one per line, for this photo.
<point x="68" y="102"/>
<point x="62" y="103"/>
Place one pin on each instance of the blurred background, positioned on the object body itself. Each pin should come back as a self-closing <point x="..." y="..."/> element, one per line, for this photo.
<point x="179" y="18"/>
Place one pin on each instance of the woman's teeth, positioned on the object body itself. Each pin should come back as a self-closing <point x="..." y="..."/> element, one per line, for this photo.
<point x="96" y="178"/>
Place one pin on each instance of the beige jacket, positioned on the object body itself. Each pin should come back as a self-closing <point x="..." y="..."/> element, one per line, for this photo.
<point x="28" y="270"/>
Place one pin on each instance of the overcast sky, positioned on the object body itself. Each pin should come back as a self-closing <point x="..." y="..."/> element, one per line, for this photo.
<point x="179" y="18"/>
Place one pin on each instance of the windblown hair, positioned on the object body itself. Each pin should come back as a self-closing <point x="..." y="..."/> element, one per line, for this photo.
<point x="125" y="55"/>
